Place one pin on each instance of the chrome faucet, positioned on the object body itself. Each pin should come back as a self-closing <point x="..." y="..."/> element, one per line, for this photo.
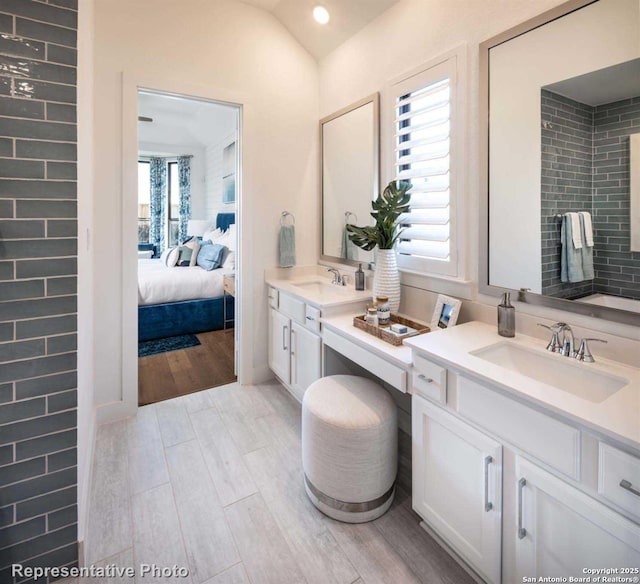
<point x="584" y="354"/>
<point x="568" y="344"/>
<point x="337" y="278"/>
<point x="554" y="345"/>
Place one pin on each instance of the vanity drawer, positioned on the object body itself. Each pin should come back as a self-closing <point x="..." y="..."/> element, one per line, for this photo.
<point x="619" y="478"/>
<point x="291" y="307"/>
<point x="551" y="441"/>
<point x="429" y="380"/>
<point x="312" y="318"/>
<point x="273" y="297"/>
<point x="393" y="375"/>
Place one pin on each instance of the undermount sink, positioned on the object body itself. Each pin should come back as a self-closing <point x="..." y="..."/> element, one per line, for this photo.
<point x="319" y="287"/>
<point x="552" y="369"/>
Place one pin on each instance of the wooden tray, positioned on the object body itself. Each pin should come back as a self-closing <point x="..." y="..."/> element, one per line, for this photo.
<point x="386" y="335"/>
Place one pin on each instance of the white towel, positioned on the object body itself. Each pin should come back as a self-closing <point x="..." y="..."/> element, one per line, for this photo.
<point x="588" y="228"/>
<point x="576" y="232"/>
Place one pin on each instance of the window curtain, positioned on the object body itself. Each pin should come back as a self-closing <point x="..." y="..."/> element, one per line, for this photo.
<point x="158" y="203"/>
<point x="184" y="183"/>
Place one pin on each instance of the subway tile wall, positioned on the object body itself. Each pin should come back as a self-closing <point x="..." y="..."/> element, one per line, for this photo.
<point x="617" y="268"/>
<point x="38" y="284"/>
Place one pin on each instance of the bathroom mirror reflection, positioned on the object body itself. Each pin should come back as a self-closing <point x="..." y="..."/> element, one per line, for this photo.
<point x="563" y="103"/>
<point x="350" y="171"/>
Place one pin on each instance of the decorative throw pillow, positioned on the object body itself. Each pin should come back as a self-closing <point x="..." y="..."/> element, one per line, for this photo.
<point x="229" y="261"/>
<point x="170" y="257"/>
<point x="210" y="256"/>
<point x="185" y="257"/>
<point x="211" y="235"/>
<point x="191" y="244"/>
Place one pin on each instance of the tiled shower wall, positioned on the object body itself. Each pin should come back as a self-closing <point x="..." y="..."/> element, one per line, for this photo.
<point x="38" y="284"/>
<point x="567" y="159"/>
<point x="617" y="269"/>
<point x="585" y="167"/>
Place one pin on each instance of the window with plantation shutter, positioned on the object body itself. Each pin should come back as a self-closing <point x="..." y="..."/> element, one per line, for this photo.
<point x="424" y="156"/>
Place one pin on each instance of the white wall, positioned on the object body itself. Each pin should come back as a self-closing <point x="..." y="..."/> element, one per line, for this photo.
<point x="213" y="174"/>
<point x="86" y="329"/>
<point x="230" y="48"/>
<point x="598" y="36"/>
<point x="406" y="36"/>
<point x="198" y="165"/>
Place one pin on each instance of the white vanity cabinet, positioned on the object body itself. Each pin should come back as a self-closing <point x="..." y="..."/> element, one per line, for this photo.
<point x="561" y="531"/>
<point x="457" y="485"/>
<point x="295" y="350"/>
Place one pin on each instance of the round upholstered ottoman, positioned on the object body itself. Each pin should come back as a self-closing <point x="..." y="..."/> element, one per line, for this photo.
<point x="349" y="447"/>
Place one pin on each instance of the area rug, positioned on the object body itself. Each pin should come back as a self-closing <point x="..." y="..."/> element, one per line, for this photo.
<point x="146" y="348"/>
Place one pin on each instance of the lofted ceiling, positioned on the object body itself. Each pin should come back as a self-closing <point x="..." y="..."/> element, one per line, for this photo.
<point x="347" y="18"/>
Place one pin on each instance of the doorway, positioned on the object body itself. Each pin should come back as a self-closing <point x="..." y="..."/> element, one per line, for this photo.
<point x="187" y="214"/>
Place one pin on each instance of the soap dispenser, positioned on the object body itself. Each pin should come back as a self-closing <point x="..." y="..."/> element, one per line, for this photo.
<point x="506" y="317"/>
<point x="359" y="278"/>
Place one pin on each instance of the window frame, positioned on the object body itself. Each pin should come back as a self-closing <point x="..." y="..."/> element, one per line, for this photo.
<point x="452" y="65"/>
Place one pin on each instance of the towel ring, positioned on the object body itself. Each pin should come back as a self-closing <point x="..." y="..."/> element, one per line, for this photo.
<point x="283" y="218"/>
<point x="347" y="214"/>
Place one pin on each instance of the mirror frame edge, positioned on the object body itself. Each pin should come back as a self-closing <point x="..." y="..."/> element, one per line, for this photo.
<point x="592" y="310"/>
<point x="375" y="99"/>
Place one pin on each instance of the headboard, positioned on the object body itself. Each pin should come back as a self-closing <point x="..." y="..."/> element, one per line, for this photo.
<point x="223" y="220"/>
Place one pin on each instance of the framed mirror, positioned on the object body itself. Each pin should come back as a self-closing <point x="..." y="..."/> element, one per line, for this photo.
<point x="349" y="146"/>
<point x="560" y="105"/>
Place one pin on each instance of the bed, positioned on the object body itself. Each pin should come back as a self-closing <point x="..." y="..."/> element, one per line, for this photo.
<point x="179" y="301"/>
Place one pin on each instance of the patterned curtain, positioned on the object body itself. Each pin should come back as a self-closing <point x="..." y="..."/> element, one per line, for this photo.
<point x="158" y="203"/>
<point x="184" y="182"/>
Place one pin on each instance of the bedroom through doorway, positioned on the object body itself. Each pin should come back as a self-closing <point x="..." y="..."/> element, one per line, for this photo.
<point x="188" y="164"/>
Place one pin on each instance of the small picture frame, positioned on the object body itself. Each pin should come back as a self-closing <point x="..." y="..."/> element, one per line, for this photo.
<point x="445" y="314"/>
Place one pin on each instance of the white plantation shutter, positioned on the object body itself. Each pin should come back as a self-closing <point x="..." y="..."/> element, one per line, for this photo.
<point x="423" y="122"/>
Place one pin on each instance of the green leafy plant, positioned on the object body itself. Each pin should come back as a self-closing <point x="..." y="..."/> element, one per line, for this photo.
<point x="393" y="202"/>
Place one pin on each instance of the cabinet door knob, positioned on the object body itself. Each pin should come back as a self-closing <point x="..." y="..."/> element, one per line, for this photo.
<point x="522" y="532"/>
<point x="487" y="505"/>
<point x="628" y="486"/>
<point x="310" y="318"/>
<point x="425" y="378"/>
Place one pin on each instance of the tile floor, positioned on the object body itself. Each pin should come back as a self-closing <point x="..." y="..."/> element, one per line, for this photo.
<point x="212" y="481"/>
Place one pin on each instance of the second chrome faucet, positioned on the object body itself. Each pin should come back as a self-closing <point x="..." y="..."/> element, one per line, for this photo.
<point x="567" y="345"/>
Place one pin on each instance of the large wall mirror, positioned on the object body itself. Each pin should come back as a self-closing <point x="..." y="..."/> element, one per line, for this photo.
<point x="350" y="177"/>
<point x="562" y="97"/>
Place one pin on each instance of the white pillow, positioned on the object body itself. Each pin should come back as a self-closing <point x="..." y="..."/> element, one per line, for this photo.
<point x="211" y="235"/>
<point x="170" y="257"/>
<point x="230" y="260"/>
<point x="232" y="234"/>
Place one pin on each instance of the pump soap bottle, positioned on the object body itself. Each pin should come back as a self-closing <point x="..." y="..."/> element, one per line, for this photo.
<point x="506" y="317"/>
<point x="359" y="278"/>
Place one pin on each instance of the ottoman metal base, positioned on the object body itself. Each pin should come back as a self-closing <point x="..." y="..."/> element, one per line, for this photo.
<point x="360" y="512"/>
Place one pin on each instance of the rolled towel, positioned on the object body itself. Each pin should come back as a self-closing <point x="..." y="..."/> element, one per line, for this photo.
<point x="571" y="258"/>
<point x="576" y="231"/>
<point x="287" y="246"/>
<point x="588" y="228"/>
<point x="588" y="272"/>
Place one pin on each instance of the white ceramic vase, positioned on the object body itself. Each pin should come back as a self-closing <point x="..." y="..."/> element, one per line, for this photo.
<point x="386" y="279"/>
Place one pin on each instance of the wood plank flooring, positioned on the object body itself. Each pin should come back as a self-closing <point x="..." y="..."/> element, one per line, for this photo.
<point x="213" y="481"/>
<point x="175" y="373"/>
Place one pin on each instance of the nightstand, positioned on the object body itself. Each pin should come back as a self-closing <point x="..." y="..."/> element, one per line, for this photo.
<point x="229" y="289"/>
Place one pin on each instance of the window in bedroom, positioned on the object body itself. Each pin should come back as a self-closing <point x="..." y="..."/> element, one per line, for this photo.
<point x="425" y="144"/>
<point x="144" y="200"/>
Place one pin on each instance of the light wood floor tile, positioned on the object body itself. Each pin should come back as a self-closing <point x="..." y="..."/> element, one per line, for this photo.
<point x="122" y="560"/>
<point x="109" y="519"/>
<point x="156" y="534"/>
<point x="175" y="425"/>
<point x="228" y="471"/>
<point x="147" y="466"/>
<point x="265" y="554"/>
<point x="207" y="538"/>
<point x="234" y="575"/>
<point x="199" y="400"/>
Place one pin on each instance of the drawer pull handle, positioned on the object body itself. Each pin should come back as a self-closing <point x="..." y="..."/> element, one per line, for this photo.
<point x="425" y="378"/>
<point x="284" y="334"/>
<point x="627" y="486"/>
<point x="522" y="532"/>
<point x="487" y="505"/>
<point x="310" y="318"/>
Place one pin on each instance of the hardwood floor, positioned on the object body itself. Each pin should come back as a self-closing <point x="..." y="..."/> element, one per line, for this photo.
<point x="213" y="481"/>
<point x="175" y="373"/>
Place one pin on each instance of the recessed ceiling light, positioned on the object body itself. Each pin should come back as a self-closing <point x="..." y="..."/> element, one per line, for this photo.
<point x="321" y="14"/>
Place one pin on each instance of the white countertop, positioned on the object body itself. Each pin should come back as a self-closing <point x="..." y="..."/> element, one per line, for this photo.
<point x="618" y="416"/>
<point x="343" y="325"/>
<point x="335" y="296"/>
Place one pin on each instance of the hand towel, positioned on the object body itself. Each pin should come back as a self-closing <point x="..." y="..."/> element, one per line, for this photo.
<point x="588" y="228"/>
<point x="349" y="250"/>
<point x="575" y="230"/>
<point x="571" y="258"/>
<point x="587" y="250"/>
<point x="287" y="246"/>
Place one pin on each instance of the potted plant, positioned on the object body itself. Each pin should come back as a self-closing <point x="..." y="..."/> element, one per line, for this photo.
<point x="387" y="208"/>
